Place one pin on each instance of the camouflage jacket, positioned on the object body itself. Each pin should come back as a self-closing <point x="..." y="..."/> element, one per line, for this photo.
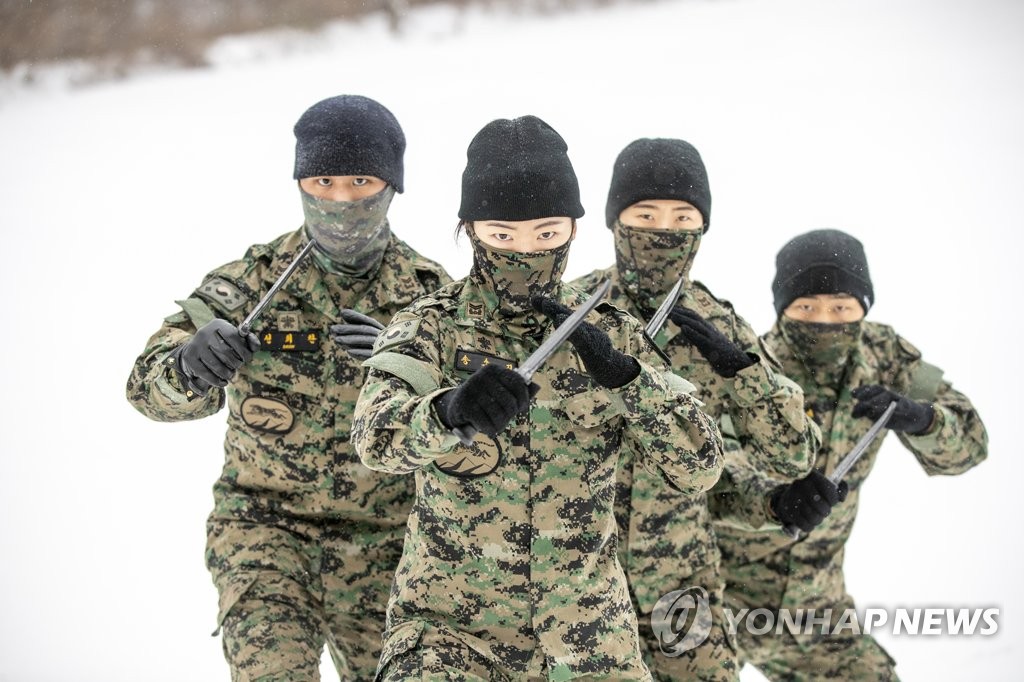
<point x="512" y="541"/>
<point x="762" y="563"/>
<point x="287" y="451"/>
<point x="665" y="538"/>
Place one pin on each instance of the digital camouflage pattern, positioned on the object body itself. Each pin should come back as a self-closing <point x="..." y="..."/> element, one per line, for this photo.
<point x="299" y="525"/>
<point x="351" y="236"/>
<point x="667" y="541"/>
<point x="510" y="553"/>
<point x="649" y="262"/>
<point x="763" y="567"/>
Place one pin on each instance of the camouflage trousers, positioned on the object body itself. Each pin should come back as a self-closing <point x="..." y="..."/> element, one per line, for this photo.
<point x="713" y="660"/>
<point x="287" y="592"/>
<point x="850" y="658"/>
<point x="418" y="651"/>
<point x="779" y="655"/>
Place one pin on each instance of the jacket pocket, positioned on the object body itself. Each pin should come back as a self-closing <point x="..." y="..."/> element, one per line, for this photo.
<point x="400" y="640"/>
<point x="596" y="430"/>
<point x="232" y="588"/>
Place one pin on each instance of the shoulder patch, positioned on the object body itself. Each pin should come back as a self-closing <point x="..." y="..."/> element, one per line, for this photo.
<point x="222" y="293"/>
<point x="396" y="335"/>
<point x="925" y="382"/>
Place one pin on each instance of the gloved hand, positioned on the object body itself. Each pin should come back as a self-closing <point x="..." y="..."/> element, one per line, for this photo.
<point x="910" y="416"/>
<point x="487" y="401"/>
<point x="214" y="354"/>
<point x="608" y="367"/>
<point x="357" y="335"/>
<point x="722" y="354"/>
<point x="806" y="502"/>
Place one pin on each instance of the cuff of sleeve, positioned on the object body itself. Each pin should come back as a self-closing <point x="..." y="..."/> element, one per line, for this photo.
<point x="929" y="440"/>
<point x="433" y="437"/>
<point x="647" y="394"/>
<point x="752" y="384"/>
<point x="170" y="382"/>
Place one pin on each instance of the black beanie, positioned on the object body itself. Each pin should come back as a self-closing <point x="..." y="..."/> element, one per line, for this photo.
<point x="349" y="135"/>
<point x="822" y="262"/>
<point x="658" y="168"/>
<point x="518" y="169"/>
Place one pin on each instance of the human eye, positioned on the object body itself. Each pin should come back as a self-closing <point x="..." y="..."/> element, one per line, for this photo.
<point x="502" y="236"/>
<point x="360" y="182"/>
<point x="546" y="235"/>
<point x="324" y="182"/>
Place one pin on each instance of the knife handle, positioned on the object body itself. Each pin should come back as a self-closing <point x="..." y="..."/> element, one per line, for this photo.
<point x="465" y="434"/>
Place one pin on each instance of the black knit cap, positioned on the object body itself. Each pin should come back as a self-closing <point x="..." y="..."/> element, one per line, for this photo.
<point x="822" y="262"/>
<point x="519" y="169"/>
<point x="658" y="168"/>
<point x="349" y="135"/>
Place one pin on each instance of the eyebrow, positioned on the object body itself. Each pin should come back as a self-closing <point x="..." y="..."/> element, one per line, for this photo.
<point x="548" y="223"/>
<point x="678" y="208"/>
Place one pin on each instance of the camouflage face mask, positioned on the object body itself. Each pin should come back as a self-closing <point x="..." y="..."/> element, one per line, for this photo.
<point x="516" y="277"/>
<point x="650" y="262"/>
<point x="823" y="348"/>
<point x="351" y="236"/>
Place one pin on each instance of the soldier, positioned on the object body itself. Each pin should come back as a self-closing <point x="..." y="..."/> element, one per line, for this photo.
<point x="510" y="568"/>
<point x="850" y="370"/>
<point x="303" y="539"/>
<point x="659" y="208"/>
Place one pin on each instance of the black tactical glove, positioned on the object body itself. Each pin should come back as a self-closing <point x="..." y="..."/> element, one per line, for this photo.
<point x="806" y="502"/>
<point x="358" y="335"/>
<point x="608" y="367"/>
<point x="910" y="416"/>
<point x="722" y="354"/>
<point x="214" y="354"/>
<point x="487" y="401"/>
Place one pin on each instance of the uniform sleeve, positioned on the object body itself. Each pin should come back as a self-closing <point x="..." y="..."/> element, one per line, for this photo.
<point x="767" y="415"/>
<point x="741" y="497"/>
<point x="153" y="387"/>
<point x="395" y="427"/>
<point x="665" y="427"/>
<point x="957" y="439"/>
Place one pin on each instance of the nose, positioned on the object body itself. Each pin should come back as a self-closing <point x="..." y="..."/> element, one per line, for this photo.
<point x="524" y="247"/>
<point x="344" y="194"/>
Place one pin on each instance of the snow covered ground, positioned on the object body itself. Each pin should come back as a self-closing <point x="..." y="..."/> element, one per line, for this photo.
<point x="896" y="120"/>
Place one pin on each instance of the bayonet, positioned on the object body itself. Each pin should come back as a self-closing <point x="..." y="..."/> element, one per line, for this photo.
<point x="538" y="357"/>
<point x="855" y="454"/>
<point x="658" y="320"/>
<point x="247" y="323"/>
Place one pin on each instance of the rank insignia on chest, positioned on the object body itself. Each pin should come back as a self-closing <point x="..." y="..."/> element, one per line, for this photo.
<point x="292" y="341"/>
<point x="288" y="321"/>
<point x="475" y="309"/>
<point x="471" y="361"/>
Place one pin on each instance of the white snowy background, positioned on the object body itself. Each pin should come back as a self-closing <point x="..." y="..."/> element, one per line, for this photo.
<point x="900" y="121"/>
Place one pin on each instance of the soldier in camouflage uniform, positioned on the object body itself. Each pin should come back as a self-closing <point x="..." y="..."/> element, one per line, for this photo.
<point x="510" y="568"/>
<point x="850" y="371"/>
<point x="303" y="539"/>
<point x="659" y="207"/>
